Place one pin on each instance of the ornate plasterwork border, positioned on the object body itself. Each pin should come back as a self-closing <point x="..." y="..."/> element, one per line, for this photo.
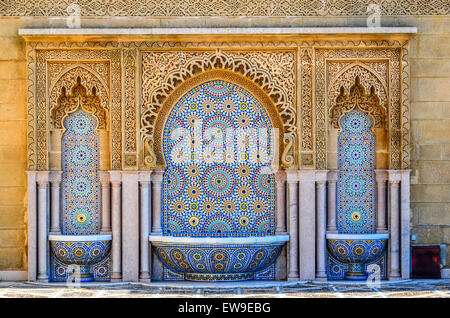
<point x="310" y="69"/>
<point x="130" y="133"/>
<point x="39" y="98"/>
<point x="207" y="8"/>
<point x="162" y="71"/>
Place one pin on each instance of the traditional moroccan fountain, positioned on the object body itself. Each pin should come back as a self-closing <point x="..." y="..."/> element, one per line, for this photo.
<point x="219" y="190"/>
<point x="356" y="244"/>
<point x="80" y="243"/>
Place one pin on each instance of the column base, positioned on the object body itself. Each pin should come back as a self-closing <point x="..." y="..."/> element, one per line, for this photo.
<point x="116" y="277"/>
<point x="144" y="277"/>
<point x="293" y="279"/>
<point x="321" y="276"/>
<point x="395" y="277"/>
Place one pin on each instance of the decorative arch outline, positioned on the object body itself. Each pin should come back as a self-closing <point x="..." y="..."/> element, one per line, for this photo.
<point x="155" y="101"/>
<point x="67" y="81"/>
<point x="155" y="143"/>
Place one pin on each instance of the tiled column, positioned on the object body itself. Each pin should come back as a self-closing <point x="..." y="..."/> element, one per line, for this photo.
<point x="55" y="212"/>
<point x="157" y="178"/>
<point x="292" y="179"/>
<point x="394" y="216"/>
<point x="307" y="224"/>
<point x="404" y="223"/>
<point x="321" y="222"/>
<point x="32" y="225"/>
<point x="381" y="177"/>
<point x="106" y="209"/>
<point x="280" y="179"/>
<point x="331" y="201"/>
<point x="144" y="186"/>
<point x="116" y="250"/>
<point x="42" y="180"/>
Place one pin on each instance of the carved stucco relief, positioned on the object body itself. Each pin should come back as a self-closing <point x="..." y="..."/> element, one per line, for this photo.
<point x="303" y="78"/>
<point x="274" y="72"/>
<point x="208" y="8"/>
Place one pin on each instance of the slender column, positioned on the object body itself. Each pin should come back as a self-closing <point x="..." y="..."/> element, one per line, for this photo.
<point x="331" y="201"/>
<point x="307" y="224"/>
<point x="381" y="177"/>
<point x="394" y="253"/>
<point x="292" y="179"/>
<point x="144" y="188"/>
<point x="156" y="201"/>
<point x="55" y="181"/>
<point x="280" y="179"/>
<point x="116" y="251"/>
<point x="106" y="209"/>
<point x="42" y="180"/>
<point x="321" y="223"/>
<point x="404" y="223"/>
<point x="32" y="226"/>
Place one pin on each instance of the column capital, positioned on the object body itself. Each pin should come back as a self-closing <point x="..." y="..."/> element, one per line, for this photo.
<point x="104" y="177"/>
<point x="394" y="176"/>
<point x="321" y="176"/>
<point x="55" y="177"/>
<point x="145" y="176"/>
<point x="291" y="176"/>
<point x="157" y="175"/>
<point x="332" y="175"/>
<point x="381" y="175"/>
<point x="42" y="178"/>
<point x="115" y="176"/>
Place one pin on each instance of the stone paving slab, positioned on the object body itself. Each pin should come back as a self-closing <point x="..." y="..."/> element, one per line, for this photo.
<point x="409" y="289"/>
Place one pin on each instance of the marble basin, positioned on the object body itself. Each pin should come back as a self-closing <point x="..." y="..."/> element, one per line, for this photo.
<point x="81" y="250"/>
<point x="218" y="259"/>
<point x="356" y="250"/>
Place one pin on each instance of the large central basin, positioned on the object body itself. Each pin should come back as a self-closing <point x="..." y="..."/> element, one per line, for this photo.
<point x="218" y="259"/>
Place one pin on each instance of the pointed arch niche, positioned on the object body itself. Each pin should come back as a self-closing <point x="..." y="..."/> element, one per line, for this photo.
<point x="365" y="98"/>
<point x="78" y="88"/>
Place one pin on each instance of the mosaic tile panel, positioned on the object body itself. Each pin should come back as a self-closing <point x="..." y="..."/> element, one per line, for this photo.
<point x="80" y="180"/>
<point x="228" y="262"/>
<point x="336" y="270"/>
<point x="218" y="145"/>
<point x="100" y="272"/>
<point x="356" y="176"/>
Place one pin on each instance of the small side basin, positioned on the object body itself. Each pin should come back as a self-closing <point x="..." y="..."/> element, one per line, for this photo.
<point x="81" y="250"/>
<point x="356" y="250"/>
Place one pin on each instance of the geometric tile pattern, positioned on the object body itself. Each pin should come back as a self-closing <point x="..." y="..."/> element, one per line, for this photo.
<point x="217" y="144"/>
<point x="227" y="262"/>
<point x="100" y="272"/>
<point x="356" y="176"/>
<point x="80" y="180"/>
<point x="336" y="270"/>
<point x="266" y="274"/>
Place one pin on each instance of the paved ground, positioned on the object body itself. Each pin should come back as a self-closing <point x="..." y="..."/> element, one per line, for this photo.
<point x="413" y="288"/>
